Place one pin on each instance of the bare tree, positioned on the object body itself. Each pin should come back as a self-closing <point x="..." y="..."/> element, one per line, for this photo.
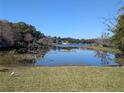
<point x="103" y="40"/>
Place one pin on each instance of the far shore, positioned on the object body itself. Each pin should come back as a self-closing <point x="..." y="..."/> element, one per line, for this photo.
<point x="106" y="49"/>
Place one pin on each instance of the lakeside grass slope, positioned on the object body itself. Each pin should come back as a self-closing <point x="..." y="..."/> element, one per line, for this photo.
<point x="106" y="49"/>
<point x="66" y="78"/>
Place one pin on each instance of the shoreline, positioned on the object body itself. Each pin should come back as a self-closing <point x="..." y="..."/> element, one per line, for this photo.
<point x="106" y="49"/>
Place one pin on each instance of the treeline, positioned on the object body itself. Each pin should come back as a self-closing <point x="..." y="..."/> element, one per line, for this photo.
<point x="24" y="37"/>
<point x="21" y="36"/>
<point x="73" y="40"/>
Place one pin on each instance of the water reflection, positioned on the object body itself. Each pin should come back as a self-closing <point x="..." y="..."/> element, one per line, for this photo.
<point x="57" y="56"/>
<point x="119" y="59"/>
<point x="75" y="45"/>
<point x="59" y="48"/>
<point x="104" y="57"/>
<point x="13" y="59"/>
<point x="61" y="57"/>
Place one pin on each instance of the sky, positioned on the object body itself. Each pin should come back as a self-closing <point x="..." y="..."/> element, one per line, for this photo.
<point x="64" y="18"/>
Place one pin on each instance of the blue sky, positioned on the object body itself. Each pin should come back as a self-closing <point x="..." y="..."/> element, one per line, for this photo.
<point x="64" y="18"/>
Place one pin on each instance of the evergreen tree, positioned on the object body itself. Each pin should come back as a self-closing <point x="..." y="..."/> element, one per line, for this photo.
<point x="118" y="31"/>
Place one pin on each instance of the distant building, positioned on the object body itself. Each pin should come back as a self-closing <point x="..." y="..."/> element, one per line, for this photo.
<point x="65" y="42"/>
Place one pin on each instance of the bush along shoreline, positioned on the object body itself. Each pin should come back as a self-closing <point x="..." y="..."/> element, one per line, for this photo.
<point x="23" y="37"/>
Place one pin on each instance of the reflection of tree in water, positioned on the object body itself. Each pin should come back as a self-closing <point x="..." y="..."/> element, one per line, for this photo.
<point x="119" y="58"/>
<point x="60" y="48"/>
<point x="41" y="54"/>
<point x="8" y="59"/>
<point x="104" y="56"/>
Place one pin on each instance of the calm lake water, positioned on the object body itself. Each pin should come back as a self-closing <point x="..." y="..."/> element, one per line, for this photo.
<point x="62" y="55"/>
<point x="76" y="57"/>
<point x="75" y="45"/>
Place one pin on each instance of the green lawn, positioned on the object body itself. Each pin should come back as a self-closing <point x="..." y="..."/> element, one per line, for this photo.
<point x="66" y="78"/>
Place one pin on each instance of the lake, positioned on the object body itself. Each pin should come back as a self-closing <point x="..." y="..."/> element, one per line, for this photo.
<point x="76" y="57"/>
<point x="73" y="55"/>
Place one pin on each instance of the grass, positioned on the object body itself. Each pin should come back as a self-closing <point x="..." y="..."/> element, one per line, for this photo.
<point x="107" y="49"/>
<point x="66" y="78"/>
<point x="10" y="58"/>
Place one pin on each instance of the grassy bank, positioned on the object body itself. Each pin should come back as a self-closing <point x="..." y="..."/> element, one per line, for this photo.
<point x="107" y="49"/>
<point x="70" y="78"/>
<point x="17" y="59"/>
